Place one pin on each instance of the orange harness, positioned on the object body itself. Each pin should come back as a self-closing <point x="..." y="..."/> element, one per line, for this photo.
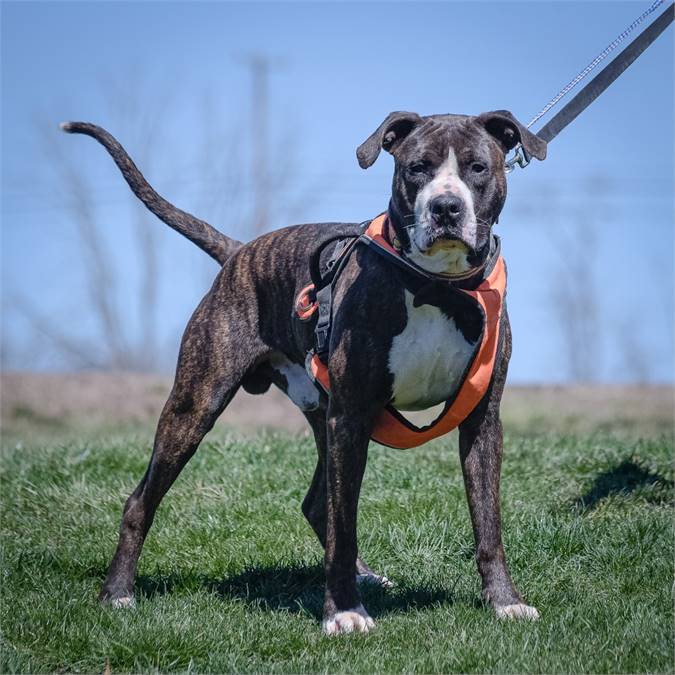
<point x="391" y="428"/>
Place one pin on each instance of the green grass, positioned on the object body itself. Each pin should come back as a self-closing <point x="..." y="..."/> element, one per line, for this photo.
<point x="230" y="578"/>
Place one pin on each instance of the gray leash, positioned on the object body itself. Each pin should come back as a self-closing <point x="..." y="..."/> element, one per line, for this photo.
<point x="598" y="84"/>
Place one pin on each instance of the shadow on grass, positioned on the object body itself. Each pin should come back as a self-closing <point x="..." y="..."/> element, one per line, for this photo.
<point x="292" y="589"/>
<point x="624" y="479"/>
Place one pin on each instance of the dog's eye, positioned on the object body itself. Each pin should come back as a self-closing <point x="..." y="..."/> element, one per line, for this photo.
<point x="477" y="167"/>
<point x="418" y="168"/>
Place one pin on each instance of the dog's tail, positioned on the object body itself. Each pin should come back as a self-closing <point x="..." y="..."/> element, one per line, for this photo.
<point x="216" y="244"/>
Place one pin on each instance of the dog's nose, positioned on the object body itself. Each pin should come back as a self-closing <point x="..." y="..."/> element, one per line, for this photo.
<point x="446" y="209"/>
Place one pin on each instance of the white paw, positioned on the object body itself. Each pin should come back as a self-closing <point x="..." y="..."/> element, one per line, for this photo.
<point x="127" y="602"/>
<point x="519" y="611"/>
<point x="351" y="620"/>
<point x="375" y="580"/>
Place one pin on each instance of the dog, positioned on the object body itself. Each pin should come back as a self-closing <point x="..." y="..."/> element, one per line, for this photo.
<point x="391" y="344"/>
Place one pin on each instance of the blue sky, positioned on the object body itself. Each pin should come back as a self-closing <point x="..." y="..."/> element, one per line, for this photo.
<point x="338" y="69"/>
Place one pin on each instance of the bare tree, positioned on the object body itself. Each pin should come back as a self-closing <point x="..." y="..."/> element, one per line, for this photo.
<point x="219" y="184"/>
<point x="133" y="111"/>
<point x="572" y="285"/>
<point x="114" y="347"/>
<point x="636" y="362"/>
<point x="574" y="295"/>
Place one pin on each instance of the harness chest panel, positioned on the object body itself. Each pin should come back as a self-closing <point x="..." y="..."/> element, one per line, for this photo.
<point x="392" y="428"/>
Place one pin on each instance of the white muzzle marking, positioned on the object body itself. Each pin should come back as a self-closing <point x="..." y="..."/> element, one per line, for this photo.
<point x="449" y="257"/>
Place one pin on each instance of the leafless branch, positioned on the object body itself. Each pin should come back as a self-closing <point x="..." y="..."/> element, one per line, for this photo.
<point x="220" y="189"/>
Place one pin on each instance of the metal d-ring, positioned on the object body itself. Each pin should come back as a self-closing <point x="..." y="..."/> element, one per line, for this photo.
<point x="520" y="157"/>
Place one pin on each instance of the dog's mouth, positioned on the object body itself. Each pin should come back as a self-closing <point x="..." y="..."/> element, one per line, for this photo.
<point x="430" y="240"/>
<point x="458" y="258"/>
<point x="447" y="245"/>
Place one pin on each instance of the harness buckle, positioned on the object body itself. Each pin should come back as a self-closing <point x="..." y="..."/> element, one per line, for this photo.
<point x="321" y="342"/>
<point x="324" y="298"/>
<point x="520" y="157"/>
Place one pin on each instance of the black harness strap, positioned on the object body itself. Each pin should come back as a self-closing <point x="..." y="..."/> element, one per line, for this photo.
<point x="324" y="292"/>
<point x="405" y="264"/>
<point x="324" y="298"/>
<point x="324" y="283"/>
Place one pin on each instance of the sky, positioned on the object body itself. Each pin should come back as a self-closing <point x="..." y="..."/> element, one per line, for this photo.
<point x="172" y="82"/>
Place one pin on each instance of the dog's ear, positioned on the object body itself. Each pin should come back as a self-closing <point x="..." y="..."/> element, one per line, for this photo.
<point x="388" y="135"/>
<point x="509" y="132"/>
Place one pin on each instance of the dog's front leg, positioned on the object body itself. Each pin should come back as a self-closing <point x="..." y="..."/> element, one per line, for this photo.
<point x="480" y="447"/>
<point x="348" y="435"/>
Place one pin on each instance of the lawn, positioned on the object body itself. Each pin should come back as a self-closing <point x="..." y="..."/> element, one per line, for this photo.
<point x="230" y="578"/>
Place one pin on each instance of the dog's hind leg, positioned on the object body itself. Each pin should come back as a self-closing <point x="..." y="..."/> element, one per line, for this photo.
<point x="210" y="368"/>
<point x="314" y="504"/>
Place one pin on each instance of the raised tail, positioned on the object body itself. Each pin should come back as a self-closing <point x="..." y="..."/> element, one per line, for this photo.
<point x="215" y="243"/>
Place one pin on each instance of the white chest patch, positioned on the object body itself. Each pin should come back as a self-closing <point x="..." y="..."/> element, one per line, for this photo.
<point x="300" y="389"/>
<point x="428" y="359"/>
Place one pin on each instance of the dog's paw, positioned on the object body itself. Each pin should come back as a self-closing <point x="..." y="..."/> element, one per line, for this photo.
<point x="126" y="602"/>
<point x="354" y="620"/>
<point x="518" y="611"/>
<point x="374" y="579"/>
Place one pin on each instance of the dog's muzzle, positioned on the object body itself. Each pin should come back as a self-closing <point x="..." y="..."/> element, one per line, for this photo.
<point x="461" y="258"/>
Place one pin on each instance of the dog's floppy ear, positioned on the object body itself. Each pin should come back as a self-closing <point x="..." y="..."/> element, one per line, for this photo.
<point x="388" y="135"/>
<point x="509" y="132"/>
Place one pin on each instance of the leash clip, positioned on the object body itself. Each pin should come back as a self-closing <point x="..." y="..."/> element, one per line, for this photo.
<point x="520" y="157"/>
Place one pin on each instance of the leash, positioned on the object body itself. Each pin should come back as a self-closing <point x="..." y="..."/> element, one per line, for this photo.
<point x="599" y="83"/>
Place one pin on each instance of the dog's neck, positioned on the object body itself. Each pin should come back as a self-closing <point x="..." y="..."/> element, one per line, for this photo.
<point x="398" y="222"/>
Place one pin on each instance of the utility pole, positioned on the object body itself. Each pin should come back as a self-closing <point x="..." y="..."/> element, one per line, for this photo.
<point x="260" y="65"/>
<point x="260" y="179"/>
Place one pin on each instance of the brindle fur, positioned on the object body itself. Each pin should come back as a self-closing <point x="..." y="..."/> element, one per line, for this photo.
<point x="245" y="319"/>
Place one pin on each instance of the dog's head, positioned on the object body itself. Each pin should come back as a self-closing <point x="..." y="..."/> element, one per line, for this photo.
<point x="449" y="182"/>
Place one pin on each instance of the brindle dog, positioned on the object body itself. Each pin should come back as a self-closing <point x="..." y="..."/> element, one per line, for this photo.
<point x="388" y="344"/>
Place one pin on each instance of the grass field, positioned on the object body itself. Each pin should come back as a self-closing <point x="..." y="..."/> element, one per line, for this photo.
<point x="230" y="578"/>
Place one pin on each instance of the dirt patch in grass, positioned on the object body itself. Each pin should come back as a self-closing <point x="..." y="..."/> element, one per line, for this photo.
<point x="56" y="403"/>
